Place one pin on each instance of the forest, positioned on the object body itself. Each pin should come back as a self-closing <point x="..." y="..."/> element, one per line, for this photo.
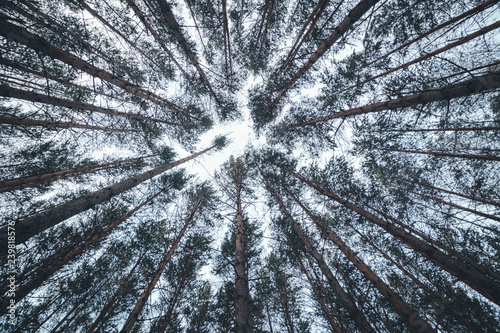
<point x="250" y="166"/>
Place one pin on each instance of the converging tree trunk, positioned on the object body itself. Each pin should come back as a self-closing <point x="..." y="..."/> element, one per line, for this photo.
<point x="34" y="224"/>
<point x="134" y="314"/>
<point x="484" y="285"/>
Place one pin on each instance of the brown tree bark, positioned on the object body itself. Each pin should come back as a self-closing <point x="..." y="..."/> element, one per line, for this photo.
<point x="173" y="304"/>
<point x="7" y="91"/>
<point x="22" y="36"/>
<point x="438" y="298"/>
<point x="155" y="35"/>
<point x="473" y="86"/>
<point x="356" y="315"/>
<point x="451" y="204"/>
<point x="437" y="153"/>
<point x="459" y="42"/>
<point x="243" y="320"/>
<point x="34" y="224"/>
<point x="58" y="124"/>
<point x="227" y="39"/>
<point x="301" y="37"/>
<point x="134" y="314"/>
<point x="53" y="263"/>
<point x="411" y="316"/>
<point x="484" y="285"/>
<point x="488" y="202"/>
<point x="112" y="299"/>
<point x="326" y="313"/>
<point x="354" y="15"/>
<point x="19" y="183"/>
<point x="174" y="26"/>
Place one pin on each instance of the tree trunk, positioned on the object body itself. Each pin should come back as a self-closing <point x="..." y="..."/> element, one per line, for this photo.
<point x="243" y="320"/>
<point x="488" y="202"/>
<point x="58" y="124"/>
<point x="49" y="267"/>
<point x="356" y="315"/>
<point x="22" y="36"/>
<point x="171" y="308"/>
<point x="134" y="314"/>
<point x="155" y="35"/>
<point x="488" y="216"/>
<point x="473" y="86"/>
<point x="354" y="15"/>
<point x="34" y="224"/>
<point x="301" y="37"/>
<point x="321" y="302"/>
<point x="174" y="26"/>
<point x="459" y="42"/>
<point x="7" y="91"/>
<point x="437" y="153"/>
<point x="438" y="298"/>
<point x="411" y="316"/>
<point x="19" y="183"/>
<point x="487" y="287"/>
<point x="454" y="129"/>
<point x="111" y="301"/>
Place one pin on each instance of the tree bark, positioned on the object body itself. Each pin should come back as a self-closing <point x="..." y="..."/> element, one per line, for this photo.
<point x="174" y="26"/>
<point x="48" y="267"/>
<point x="19" y="183"/>
<point x="354" y="15"/>
<point x="7" y="91"/>
<point x="437" y="153"/>
<point x="112" y="299"/>
<point x="324" y="308"/>
<point x="155" y="35"/>
<point x="243" y="320"/>
<point x="34" y="224"/>
<point x="173" y="304"/>
<point x="473" y="86"/>
<point x="411" y="316"/>
<point x="473" y="211"/>
<point x="487" y="287"/>
<point x="134" y="314"/>
<point x="459" y="42"/>
<point x="22" y="36"/>
<point x="58" y="124"/>
<point x="356" y="315"/>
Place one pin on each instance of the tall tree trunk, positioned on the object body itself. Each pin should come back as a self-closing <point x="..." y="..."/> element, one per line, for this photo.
<point x="227" y="38"/>
<point x="324" y="308"/>
<point x="155" y="35"/>
<point x="243" y="320"/>
<point x="174" y="26"/>
<point x="53" y="263"/>
<point x="354" y="15"/>
<point x="356" y="315"/>
<point x="173" y="304"/>
<point x="454" y="129"/>
<point x="488" y="202"/>
<point x="112" y="299"/>
<point x="437" y="298"/>
<point x="468" y="13"/>
<point x="7" y="91"/>
<point x="411" y="316"/>
<point x="134" y="314"/>
<point x="301" y="37"/>
<point x="34" y="224"/>
<point x="22" y="36"/>
<point x="23" y="182"/>
<point x="437" y="153"/>
<point x="459" y="42"/>
<point x="473" y="86"/>
<point x="473" y="211"/>
<point x="6" y="120"/>
<point x="487" y="287"/>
